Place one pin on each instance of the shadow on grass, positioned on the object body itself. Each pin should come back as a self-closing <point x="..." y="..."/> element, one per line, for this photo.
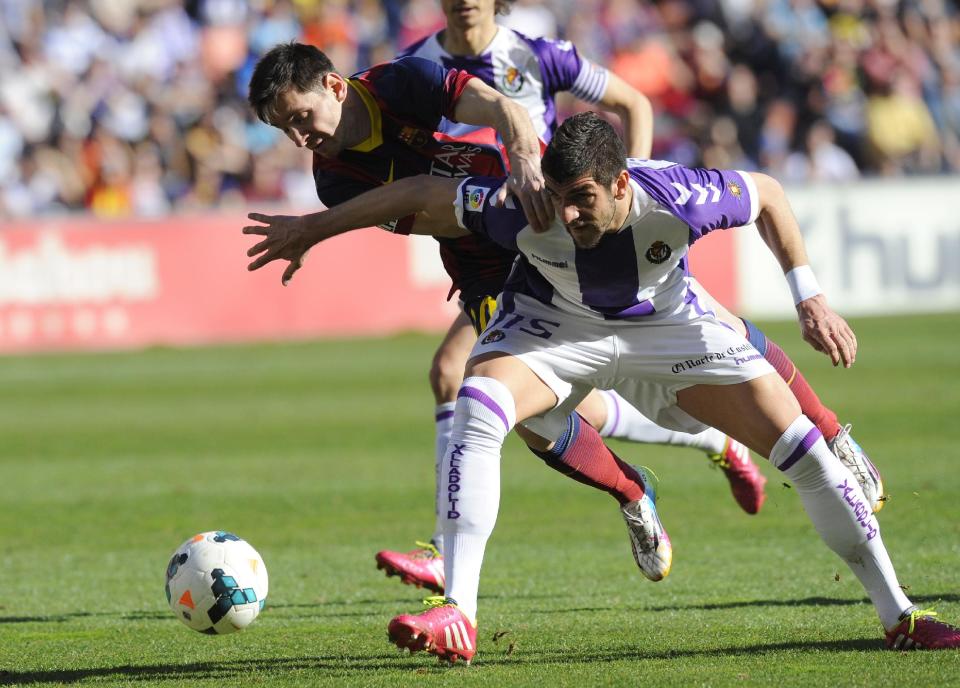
<point x="802" y="602"/>
<point x="140" y="615"/>
<point x="358" y="666"/>
<point x="145" y="615"/>
<point x="324" y="608"/>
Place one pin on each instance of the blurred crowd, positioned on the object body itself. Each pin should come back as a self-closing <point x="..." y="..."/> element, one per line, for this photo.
<point x="138" y="107"/>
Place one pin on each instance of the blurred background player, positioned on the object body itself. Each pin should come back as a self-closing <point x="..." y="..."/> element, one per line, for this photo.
<point x="532" y="71"/>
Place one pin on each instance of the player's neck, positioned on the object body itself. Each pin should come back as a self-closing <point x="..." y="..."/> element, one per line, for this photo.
<point x="469" y="41"/>
<point x="357" y="119"/>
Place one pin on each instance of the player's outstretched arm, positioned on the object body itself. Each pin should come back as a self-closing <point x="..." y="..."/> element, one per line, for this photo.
<point x="820" y="326"/>
<point x="290" y="237"/>
<point x="635" y="113"/>
<point x="481" y="105"/>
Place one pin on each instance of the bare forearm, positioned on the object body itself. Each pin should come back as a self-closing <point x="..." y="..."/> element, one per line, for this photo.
<point x="481" y="105"/>
<point x="384" y="204"/>
<point x="778" y="226"/>
<point x="635" y="113"/>
<point x="638" y="130"/>
<point x="516" y="130"/>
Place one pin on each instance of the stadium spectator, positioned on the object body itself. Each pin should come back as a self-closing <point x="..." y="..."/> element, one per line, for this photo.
<point x="80" y="72"/>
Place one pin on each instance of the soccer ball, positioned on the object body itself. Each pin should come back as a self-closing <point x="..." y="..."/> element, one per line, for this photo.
<point x="216" y="583"/>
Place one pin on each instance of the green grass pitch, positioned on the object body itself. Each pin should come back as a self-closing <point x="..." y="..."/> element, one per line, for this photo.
<point x="322" y="453"/>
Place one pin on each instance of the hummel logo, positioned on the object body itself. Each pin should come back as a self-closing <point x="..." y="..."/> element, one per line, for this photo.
<point x="702" y="192"/>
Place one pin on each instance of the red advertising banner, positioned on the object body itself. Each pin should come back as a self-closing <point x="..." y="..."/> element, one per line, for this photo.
<point x="714" y="262"/>
<point x="87" y="284"/>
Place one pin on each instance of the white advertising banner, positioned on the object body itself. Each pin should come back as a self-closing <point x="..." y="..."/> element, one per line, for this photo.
<point x="877" y="247"/>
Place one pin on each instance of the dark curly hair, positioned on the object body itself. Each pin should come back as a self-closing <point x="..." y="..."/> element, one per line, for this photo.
<point x="287" y="66"/>
<point x="585" y="144"/>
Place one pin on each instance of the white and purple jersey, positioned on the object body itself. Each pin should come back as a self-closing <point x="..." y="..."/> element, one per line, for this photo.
<point x="639" y="272"/>
<point x="529" y="70"/>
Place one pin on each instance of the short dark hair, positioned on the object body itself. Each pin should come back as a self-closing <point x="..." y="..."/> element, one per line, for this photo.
<point x="286" y="66"/>
<point x="503" y="6"/>
<point x="585" y="144"/>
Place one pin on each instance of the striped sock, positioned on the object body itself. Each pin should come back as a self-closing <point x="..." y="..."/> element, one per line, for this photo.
<point x="811" y="406"/>
<point x="470" y="485"/>
<point x="581" y="454"/>
<point x="840" y="513"/>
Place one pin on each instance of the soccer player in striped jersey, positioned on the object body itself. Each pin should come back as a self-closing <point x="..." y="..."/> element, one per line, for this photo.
<point x="603" y="298"/>
<point x="531" y="72"/>
<point x="384" y="124"/>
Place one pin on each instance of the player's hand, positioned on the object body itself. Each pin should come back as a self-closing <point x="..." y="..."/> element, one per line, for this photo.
<point x="526" y="183"/>
<point x="826" y="331"/>
<point x="285" y="239"/>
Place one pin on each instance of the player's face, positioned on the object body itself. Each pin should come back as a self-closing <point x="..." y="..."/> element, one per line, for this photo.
<point x="586" y="209"/>
<point x="464" y="14"/>
<point x="312" y="119"/>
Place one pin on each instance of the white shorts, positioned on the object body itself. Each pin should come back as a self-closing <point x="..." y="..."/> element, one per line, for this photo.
<point x="646" y="363"/>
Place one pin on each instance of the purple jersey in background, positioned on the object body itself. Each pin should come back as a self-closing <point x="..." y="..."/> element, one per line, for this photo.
<point x="637" y="272"/>
<point x="529" y="70"/>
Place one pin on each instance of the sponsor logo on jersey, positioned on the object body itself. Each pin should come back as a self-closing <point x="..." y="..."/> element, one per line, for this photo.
<point x="465" y="159"/>
<point x="551" y="263"/>
<point x="475" y="197"/>
<point x="735" y="189"/>
<point x="512" y="81"/>
<point x="658" y="252"/>
<point x="494" y="336"/>
<point x="740" y="354"/>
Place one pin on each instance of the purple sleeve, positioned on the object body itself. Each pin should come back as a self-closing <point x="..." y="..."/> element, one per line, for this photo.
<point x="704" y="199"/>
<point x="478" y="213"/>
<point x="560" y="64"/>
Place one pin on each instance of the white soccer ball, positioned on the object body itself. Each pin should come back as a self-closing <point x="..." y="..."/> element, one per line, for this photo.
<point x="216" y="583"/>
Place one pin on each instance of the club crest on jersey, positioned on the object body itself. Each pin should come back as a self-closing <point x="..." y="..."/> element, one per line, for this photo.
<point x="494" y="336"/>
<point x="735" y="189"/>
<point x="475" y="197"/>
<point x="658" y="252"/>
<point x="512" y="81"/>
<point x="414" y="137"/>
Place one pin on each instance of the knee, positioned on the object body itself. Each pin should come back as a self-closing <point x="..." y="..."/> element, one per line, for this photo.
<point x="593" y="409"/>
<point x="446" y="374"/>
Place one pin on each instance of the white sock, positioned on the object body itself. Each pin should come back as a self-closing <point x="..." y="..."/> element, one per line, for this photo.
<point x="444" y="418"/>
<point x="624" y="422"/>
<point x="836" y="505"/>
<point x="470" y="488"/>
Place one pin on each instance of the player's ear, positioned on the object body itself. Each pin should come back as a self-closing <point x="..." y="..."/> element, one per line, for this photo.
<point x="337" y="85"/>
<point x="620" y="185"/>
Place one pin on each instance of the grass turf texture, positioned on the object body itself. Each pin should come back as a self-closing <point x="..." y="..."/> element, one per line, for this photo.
<point x="321" y="453"/>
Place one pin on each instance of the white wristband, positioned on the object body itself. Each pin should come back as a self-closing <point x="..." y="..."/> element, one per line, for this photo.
<point x="803" y="284"/>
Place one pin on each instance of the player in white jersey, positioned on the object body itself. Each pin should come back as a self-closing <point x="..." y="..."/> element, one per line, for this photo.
<point x="531" y="71"/>
<point x="603" y="299"/>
